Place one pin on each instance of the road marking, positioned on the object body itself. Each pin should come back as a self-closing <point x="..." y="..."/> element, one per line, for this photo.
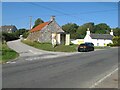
<point x="35" y="58"/>
<point x="11" y="62"/>
<point x="98" y="82"/>
<point x="32" y="52"/>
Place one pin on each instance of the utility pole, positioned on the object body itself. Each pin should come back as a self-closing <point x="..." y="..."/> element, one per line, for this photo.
<point x="30" y="22"/>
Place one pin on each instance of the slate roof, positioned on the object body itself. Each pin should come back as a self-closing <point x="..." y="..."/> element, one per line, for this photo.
<point x="39" y="27"/>
<point x="101" y="36"/>
<point x="8" y="27"/>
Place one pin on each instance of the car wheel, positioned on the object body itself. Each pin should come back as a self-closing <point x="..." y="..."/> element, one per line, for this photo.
<point x="87" y="50"/>
<point x="78" y="50"/>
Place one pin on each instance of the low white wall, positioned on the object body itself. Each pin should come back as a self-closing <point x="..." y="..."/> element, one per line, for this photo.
<point x="78" y="41"/>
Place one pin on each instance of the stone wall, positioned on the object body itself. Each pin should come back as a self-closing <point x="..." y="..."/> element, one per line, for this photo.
<point x="45" y="34"/>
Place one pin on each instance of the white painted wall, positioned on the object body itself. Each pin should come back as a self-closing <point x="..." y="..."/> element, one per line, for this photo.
<point x="67" y="39"/>
<point x="94" y="41"/>
<point x="101" y="42"/>
<point x="87" y="38"/>
<point x="108" y="41"/>
<point x="78" y="41"/>
<point x="58" y="39"/>
<point x="97" y="42"/>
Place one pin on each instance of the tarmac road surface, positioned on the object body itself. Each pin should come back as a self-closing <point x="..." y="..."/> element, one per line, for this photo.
<point x="81" y="70"/>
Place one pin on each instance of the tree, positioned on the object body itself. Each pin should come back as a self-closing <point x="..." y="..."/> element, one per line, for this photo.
<point x="102" y="28"/>
<point x="81" y="31"/>
<point x="20" y="31"/>
<point x="89" y="25"/>
<point x="25" y="35"/>
<point x="71" y="29"/>
<point x="37" y="22"/>
<point x="116" y="41"/>
<point x="116" y="31"/>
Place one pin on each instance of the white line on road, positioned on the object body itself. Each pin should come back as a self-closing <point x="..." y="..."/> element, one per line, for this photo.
<point x="11" y="62"/>
<point x="98" y="82"/>
<point x="32" y="52"/>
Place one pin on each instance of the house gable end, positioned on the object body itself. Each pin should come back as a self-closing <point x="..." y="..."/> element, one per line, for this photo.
<point x="87" y="38"/>
<point x="54" y="27"/>
<point x="8" y="28"/>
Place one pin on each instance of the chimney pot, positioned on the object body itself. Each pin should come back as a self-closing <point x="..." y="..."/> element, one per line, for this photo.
<point x="52" y="18"/>
<point x="111" y="33"/>
<point x="88" y="31"/>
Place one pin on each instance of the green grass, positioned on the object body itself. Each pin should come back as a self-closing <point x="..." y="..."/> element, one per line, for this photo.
<point x="7" y="53"/>
<point x="59" y="48"/>
<point x="98" y="47"/>
<point x="48" y="46"/>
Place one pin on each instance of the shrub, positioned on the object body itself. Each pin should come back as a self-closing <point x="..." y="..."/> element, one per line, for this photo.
<point x="9" y="36"/>
<point x="25" y="35"/>
<point x="110" y="44"/>
<point x="116" y="41"/>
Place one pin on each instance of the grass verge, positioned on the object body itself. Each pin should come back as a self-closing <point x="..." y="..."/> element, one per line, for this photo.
<point x="98" y="47"/>
<point x="48" y="46"/>
<point x="7" y="54"/>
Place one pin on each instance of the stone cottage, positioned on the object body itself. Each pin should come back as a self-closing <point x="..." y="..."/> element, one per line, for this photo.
<point x="48" y="32"/>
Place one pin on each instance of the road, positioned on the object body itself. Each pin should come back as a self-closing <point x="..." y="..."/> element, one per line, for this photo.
<point x="28" y="53"/>
<point x="25" y="50"/>
<point x="81" y="70"/>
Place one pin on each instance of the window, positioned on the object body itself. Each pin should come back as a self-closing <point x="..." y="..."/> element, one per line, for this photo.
<point x="97" y="44"/>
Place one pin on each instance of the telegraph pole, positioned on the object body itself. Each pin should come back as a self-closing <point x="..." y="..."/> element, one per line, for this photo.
<point x="30" y="22"/>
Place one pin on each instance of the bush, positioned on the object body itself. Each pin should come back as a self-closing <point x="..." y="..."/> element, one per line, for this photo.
<point x="25" y="35"/>
<point x="9" y="36"/>
<point x="116" y="41"/>
<point x="110" y="44"/>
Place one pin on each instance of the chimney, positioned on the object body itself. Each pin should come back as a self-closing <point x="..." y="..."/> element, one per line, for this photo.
<point x="111" y="33"/>
<point x="52" y="18"/>
<point x="88" y="31"/>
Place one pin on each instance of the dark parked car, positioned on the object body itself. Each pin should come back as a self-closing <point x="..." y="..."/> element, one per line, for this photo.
<point x="86" y="47"/>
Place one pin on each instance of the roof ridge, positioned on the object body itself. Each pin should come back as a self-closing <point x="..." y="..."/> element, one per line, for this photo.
<point x="96" y="33"/>
<point x="100" y="34"/>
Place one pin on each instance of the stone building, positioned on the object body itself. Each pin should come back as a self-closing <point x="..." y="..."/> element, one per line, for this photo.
<point x="48" y="32"/>
<point x="8" y="28"/>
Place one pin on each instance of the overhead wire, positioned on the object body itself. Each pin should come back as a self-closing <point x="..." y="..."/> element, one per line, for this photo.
<point x="73" y="15"/>
<point x="68" y="14"/>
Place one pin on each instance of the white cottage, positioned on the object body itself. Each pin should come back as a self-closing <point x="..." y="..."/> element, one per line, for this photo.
<point x="98" y="39"/>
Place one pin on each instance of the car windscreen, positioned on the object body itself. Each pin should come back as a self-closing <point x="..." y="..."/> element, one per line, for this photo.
<point x="82" y="44"/>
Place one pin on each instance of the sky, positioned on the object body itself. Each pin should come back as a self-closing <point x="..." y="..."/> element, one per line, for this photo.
<point x="60" y="0"/>
<point x="18" y="13"/>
